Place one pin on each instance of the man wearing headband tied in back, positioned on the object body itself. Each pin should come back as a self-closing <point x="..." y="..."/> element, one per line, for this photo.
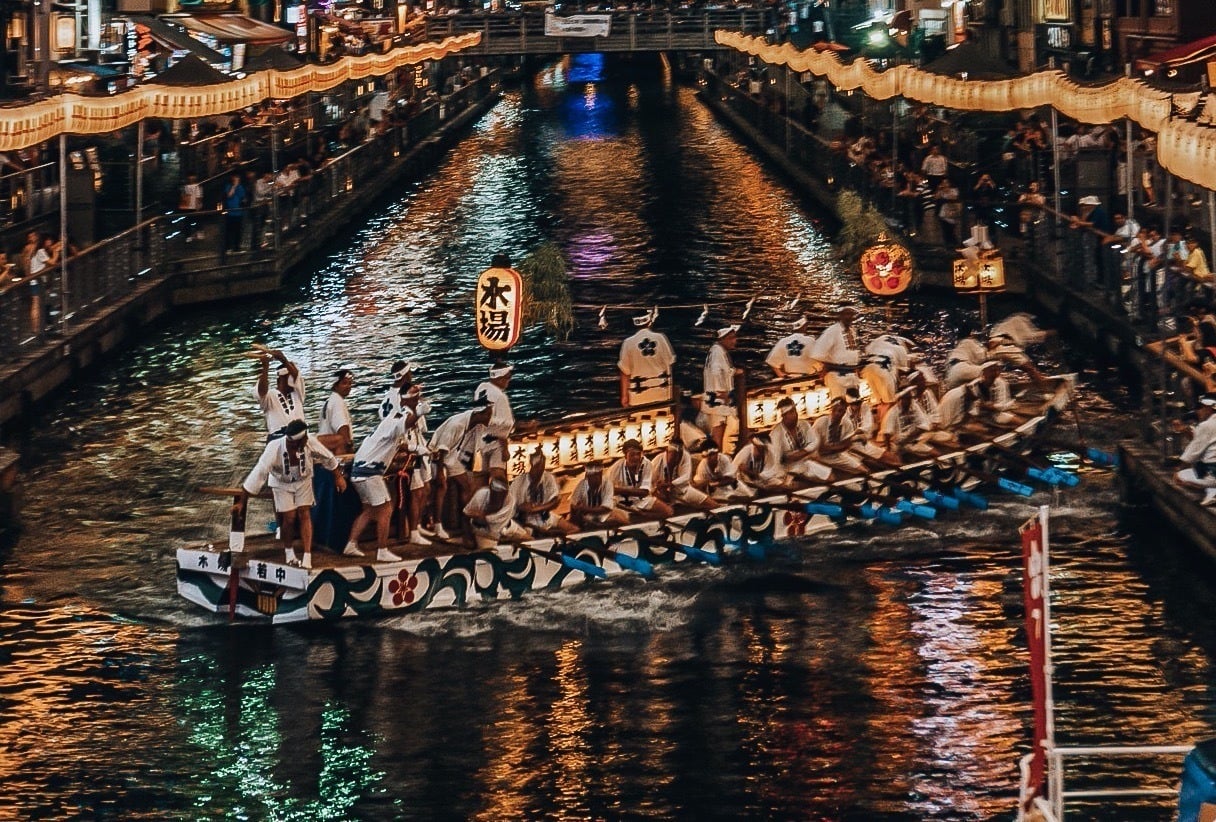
<point x="285" y="402"/>
<point x="645" y="364"/>
<point x="791" y="356"/>
<point x="336" y="432"/>
<point x="502" y="419"/>
<point x="287" y="465"/>
<point x="719" y="377"/>
<point x="837" y="348"/>
<point x="403" y="377"/>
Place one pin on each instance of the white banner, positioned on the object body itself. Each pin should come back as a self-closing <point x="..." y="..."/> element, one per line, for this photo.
<point x="578" y="25"/>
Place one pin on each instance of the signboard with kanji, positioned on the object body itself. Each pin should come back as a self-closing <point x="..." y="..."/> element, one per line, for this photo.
<point x="498" y="308"/>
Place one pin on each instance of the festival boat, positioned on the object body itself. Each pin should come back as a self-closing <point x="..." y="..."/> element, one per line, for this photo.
<point x="256" y="583"/>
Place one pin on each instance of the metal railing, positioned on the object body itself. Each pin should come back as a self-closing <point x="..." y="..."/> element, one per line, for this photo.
<point x="1053" y="807"/>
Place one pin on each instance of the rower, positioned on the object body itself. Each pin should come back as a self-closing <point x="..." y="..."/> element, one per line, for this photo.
<point x="864" y="427"/>
<point x="996" y="401"/>
<point x="964" y="360"/>
<point x="838" y="351"/>
<point x="905" y="425"/>
<point x="489" y="517"/>
<point x="887" y="359"/>
<point x="367" y="472"/>
<point x="286" y="465"/>
<point x="1200" y="452"/>
<point x="717" y="476"/>
<point x="502" y="420"/>
<point x="791" y="355"/>
<point x="955" y="412"/>
<point x="536" y="495"/>
<point x="453" y="445"/>
<point x="795" y="444"/>
<point x="631" y="483"/>
<point x="836" y="435"/>
<point x="1008" y="339"/>
<point x="645" y="364"/>
<point x="719" y="378"/>
<point x="671" y="477"/>
<point x="335" y="430"/>
<point x="285" y="402"/>
<point x="758" y="465"/>
<point x="691" y="417"/>
<point x="593" y="502"/>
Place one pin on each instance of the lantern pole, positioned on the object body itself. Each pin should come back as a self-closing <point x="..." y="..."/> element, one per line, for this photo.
<point x="983" y="309"/>
<point x="63" y="233"/>
<point x="139" y="172"/>
<point x="894" y="154"/>
<point x="1127" y="174"/>
<point x="1055" y="158"/>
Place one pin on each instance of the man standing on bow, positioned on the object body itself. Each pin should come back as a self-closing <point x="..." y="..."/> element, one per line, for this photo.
<point x="838" y="350"/>
<point x="645" y="364"/>
<point x="285" y="402"/>
<point x="719" y="377"/>
<point x="335" y="430"/>
<point x="502" y="419"/>
<point x="791" y="356"/>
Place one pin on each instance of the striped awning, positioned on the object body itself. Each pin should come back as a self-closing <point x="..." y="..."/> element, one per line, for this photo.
<point x="1196" y="51"/>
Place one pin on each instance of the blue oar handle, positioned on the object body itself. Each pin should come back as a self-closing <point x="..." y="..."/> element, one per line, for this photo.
<point x="922" y="511"/>
<point x="941" y="500"/>
<point x="1014" y="487"/>
<point x="697" y="553"/>
<point x="1103" y="458"/>
<point x="1043" y="475"/>
<point x="635" y="564"/>
<point x="827" y="509"/>
<point x="590" y="569"/>
<point x="977" y="501"/>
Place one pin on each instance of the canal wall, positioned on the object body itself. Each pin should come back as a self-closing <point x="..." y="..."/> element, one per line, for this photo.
<point x="162" y="280"/>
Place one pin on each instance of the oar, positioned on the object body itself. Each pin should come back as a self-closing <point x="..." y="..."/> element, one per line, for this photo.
<point x="573" y="563"/>
<point x="1037" y="469"/>
<point x="1004" y="483"/>
<point x="687" y="550"/>
<point x="225" y="491"/>
<point x="635" y="564"/>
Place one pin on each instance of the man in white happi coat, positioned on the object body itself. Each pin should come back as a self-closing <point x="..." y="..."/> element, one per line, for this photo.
<point x="886" y="361"/>
<point x="1008" y="339"/>
<point x="838" y="351"/>
<point x="286" y="465"/>
<point x="402" y="375"/>
<point x="453" y="445"/>
<point x="418" y="468"/>
<point x="367" y="472"/>
<point x="955" y="412"/>
<point x="536" y="495"/>
<point x="996" y="401"/>
<point x="795" y="444"/>
<point x="671" y="476"/>
<point x="865" y="427"/>
<point x="1200" y="453"/>
<point x="836" y="436"/>
<point x="645" y="364"/>
<point x="593" y="501"/>
<point x="905" y="426"/>
<point x="791" y="355"/>
<point x="963" y="363"/>
<point x="758" y="465"/>
<point x="719" y="378"/>
<point x="490" y="516"/>
<point x="335" y="431"/>
<point x="717" y="476"/>
<point x="631" y="483"/>
<point x="493" y="448"/>
<point x="285" y="401"/>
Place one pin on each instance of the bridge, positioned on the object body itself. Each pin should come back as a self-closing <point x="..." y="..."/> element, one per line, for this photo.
<point x="629" y="31"/>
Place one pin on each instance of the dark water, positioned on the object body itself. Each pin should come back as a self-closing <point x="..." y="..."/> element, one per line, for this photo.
<point x="866" y="676"/>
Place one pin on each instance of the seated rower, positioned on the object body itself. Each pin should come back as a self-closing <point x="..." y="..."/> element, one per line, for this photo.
<point x="964" y="360"/>
<point x="691" y="417"/>
<point x="791" y="355"/>
<point x="1200" y="452"/>
<point x="490" y="517"/>
<point x="593" y="503"/>
<point x="996" y="401"/>
<point x="536" y="495"/>
<point x="905" y="427"/>
<point x="671" y="477"/>
<point x="287" y="465"/>
<point x="758" y="466"/>
<point x="795" y="444"/>
<point x="453" y="445"/>
<point x="956" y="413"/>
<point x="1007" y="342"/>
<point x="836" y="435"/>
<point x="865" y="429"/>
<point x="631" y="484"/>
<point x="716" y="476"/>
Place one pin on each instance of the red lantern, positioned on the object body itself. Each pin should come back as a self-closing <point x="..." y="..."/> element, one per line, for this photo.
<point x="886" y="269"/>
<point x="498" y="308"/>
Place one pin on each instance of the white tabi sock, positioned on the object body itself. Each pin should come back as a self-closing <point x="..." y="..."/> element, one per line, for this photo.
<point x="417" y="538"/>
<point x="307" y="563"/>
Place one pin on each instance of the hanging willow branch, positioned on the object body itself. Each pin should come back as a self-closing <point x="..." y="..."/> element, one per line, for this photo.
<point x="547" y="291"/>
<point x="861" y="224"/>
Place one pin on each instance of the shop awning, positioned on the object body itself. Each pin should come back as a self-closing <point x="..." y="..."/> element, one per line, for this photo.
<point x="1194" y="52"/>
<point x="174" y="39"/>
<point x="232" y="28"/>
<point x="191" y="70"/>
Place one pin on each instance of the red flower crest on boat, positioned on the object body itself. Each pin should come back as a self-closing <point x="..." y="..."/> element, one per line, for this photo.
<point x="795" y="523"/>
<point x="402" y="588"/>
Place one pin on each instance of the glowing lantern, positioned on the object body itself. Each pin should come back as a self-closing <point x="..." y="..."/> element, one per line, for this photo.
<point x="498" y="308"/>
<point x="965" y="275"/>
<point x="991" y="274"/>
<point x="886" y="269"/>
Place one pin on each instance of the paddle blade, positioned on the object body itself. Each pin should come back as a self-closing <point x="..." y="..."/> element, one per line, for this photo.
<point x="587" y="568"/>
<point x="977" y="501"/>
<point x="888" y="517"/>
<point x="1103" y="458"/>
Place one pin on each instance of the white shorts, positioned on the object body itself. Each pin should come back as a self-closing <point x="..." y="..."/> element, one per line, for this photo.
<point x="689" y="495"/>
<point x="844" y="461"/>
<point x="837" y="384"/>
<point x="1189" y="476"/>
<point x="809" y="469"/>
<point x="456" y="467"/>
<point x="420" y="476"/>
<point x="659" y="393"/>
<point x="719" y="414"/>
<point x="372" y="491"/>
<point x="869" y="449"/>
<point x="962" y="372"/>
<point x="489" y="537"/>
<point x="491" y="456"/>
<point x="726" y="493"/>
<point x="296" y="496"/>
<point x="882" y="383"/>
<point x="542" y="522"/>
<point x="636" y="503"/>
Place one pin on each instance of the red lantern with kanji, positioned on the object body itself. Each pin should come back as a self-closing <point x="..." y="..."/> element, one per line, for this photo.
<point x="498" y="308"/>
<point x="886" y="269"/>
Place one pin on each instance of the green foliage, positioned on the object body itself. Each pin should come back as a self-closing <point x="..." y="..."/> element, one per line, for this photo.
<point x="861" y="225"/>
<point x="547" y="291"/>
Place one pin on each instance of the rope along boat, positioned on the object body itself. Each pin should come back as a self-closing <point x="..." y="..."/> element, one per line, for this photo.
<point x="256" y="583"/>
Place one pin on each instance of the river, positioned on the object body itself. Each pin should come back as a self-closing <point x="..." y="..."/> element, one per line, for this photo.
<point x="861" y="676"/>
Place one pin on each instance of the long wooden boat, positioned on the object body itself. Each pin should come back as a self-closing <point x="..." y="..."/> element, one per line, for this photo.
<point x="256" y="583"/>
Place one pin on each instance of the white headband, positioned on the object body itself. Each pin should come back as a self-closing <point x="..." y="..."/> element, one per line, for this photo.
<point x="500" y="371"/>
<point x="730" y="329"/>
<point x="800" y="324"/>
